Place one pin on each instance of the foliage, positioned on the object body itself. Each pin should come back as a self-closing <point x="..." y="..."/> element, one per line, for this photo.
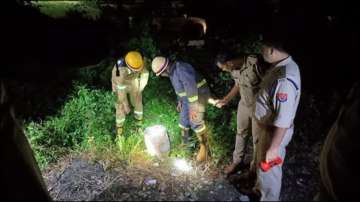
<point x="248" y="45"/>
<point x="85" y="117"/>
<point x="88" y="9"/>
<point x="86" y="121"/>
<point x="143" y="42"/>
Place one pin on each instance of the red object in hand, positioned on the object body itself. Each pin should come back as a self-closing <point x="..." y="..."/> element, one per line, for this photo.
<point x="266" y="166"/>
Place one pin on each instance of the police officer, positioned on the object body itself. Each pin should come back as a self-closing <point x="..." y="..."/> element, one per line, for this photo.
<point x="129" y="76"/>
<point x="246" y="73"/>
<point x="275" y="110"/>
<point x="193" y="94"/>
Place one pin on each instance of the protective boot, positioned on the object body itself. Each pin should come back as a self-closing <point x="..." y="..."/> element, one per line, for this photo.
<point x="119" y="131"/>
<point x="185" y="136"/>
<point x="203" y="151"/>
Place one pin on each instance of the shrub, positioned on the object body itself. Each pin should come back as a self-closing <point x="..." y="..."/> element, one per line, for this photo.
<point x="85" y="116"/>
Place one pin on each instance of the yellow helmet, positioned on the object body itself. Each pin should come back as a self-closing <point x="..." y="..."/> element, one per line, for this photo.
<point x="159" y="65"/>
<point x="134" y="61"/>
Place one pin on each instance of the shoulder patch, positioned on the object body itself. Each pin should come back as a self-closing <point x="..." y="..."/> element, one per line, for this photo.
<point x="282" y="97"/>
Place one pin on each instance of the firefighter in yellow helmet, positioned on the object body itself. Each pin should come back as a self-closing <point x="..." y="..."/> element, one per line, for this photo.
<point x="129" y="76"/>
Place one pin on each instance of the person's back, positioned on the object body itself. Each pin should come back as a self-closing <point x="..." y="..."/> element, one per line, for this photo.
<point x="340" y="152"/>
<point x="20" y="175"/>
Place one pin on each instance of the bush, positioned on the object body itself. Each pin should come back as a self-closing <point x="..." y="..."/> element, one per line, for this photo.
<point x="248" y="45"/>
<point x="86" y="122"/>
<point x="86" y="117"/>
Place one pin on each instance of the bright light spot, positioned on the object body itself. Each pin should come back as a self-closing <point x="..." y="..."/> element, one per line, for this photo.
<point x="156" y="140"/>
<point x="182" y="165"/>
<point x="212" y="101"/>
<point x="156" y="129"/>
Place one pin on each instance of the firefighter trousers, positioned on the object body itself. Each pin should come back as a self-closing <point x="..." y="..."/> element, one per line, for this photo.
<point x="131" y="88"/>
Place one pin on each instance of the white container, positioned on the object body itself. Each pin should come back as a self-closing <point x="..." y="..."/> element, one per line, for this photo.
<point x="157" y="141"/>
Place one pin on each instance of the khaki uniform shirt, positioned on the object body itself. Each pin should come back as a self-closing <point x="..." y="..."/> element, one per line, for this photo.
<point x="248" y="79"/>
<point x="127" y="76"/>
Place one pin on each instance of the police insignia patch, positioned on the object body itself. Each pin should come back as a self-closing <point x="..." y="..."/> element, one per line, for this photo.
<point x="282" y="97"/>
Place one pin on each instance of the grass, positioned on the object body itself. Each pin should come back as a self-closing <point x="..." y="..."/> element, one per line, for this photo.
<point x="86" y="122"/>
<point x="61" y="9"/>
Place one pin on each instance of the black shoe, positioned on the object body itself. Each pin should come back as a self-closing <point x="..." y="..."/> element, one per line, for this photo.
<point x="233" y="168"/>
<point x="254" y="195"/>
<point x="246" y="179"/>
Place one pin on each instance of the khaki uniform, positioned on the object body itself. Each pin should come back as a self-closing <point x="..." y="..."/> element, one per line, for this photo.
<point x="276" y="106"/>
<point x="248" y="79"/>
<point x="132" y="83"/>
<point x="340" y="152"/>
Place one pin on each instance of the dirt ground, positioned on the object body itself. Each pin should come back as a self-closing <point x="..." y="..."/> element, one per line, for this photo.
<point x="78" y="178"/>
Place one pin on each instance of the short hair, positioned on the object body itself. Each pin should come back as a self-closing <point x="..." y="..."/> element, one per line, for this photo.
<point x="223" y="57"/>
<point x="276" y="39"/>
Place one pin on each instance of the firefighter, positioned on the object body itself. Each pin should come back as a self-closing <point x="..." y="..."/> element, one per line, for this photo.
<point x="129" y="76"/>
<point x="245" y="71"/>
<point x="275" y="110"/>
<point x="193" y="95"/>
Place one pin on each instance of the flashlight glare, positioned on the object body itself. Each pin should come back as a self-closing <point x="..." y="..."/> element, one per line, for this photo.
<point x="212" y="101"/>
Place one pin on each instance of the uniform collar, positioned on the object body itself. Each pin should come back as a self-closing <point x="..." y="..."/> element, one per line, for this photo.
<point x="171" y="67"/>
<point x="284" y="62"/>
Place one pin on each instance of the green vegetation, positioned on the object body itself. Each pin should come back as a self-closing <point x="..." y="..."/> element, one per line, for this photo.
<point x="86" y="121"/>
<point x="58" y="9"/>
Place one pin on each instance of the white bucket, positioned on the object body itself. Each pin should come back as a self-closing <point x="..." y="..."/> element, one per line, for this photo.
<point x="157" y="141"/>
